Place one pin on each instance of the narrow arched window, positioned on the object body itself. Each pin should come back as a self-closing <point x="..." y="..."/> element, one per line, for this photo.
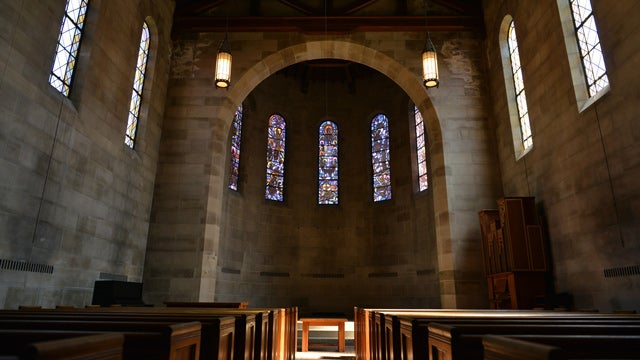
<point x="380" y="158"/>
<point x="328" y="163"/>
<point x="68" y="46"/>
<point x="586" y="60"/>
<point x="275" y="158"/>
<point x="421" y="150"/>
<point x="586" y="31"/>
<point x="514" y="84"/>
<point x="138" y="84"/>
<point x="236" y="132"/>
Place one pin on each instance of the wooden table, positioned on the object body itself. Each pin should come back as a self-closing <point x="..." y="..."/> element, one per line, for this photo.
<point x="306" y="322"/>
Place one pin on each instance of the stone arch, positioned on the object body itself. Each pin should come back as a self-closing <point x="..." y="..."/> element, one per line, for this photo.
<point x="407" y="80"/>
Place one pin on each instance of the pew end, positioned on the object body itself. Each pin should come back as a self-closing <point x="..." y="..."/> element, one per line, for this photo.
<point x="505" y="348"/>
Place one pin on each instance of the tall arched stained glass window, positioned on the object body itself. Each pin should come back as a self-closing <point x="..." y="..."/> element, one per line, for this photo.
<point x="236" y="132"/>
<point x="275" y="158"/>
<point x="328" y="163"/>
<point x="138" y="84"/>
<point x="380" y="158"/>
<point x="518" y="87"/>
<point x="65" y="62"/>
<point x="421" y="151"/>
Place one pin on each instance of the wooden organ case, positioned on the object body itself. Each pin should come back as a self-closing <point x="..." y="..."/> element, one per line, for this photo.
<point x="514" y="253"/>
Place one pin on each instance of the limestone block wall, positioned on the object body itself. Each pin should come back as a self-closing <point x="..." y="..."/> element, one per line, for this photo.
<point x="584" y="165"/>
<point x="74" y="199"/>
<point x="189" y="208"/>
<point x="328" y="257"/>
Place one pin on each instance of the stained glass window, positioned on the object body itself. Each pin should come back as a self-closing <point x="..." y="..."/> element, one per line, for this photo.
<point x="380" y="158"/>
<point x="518" y="81"/>
<point x="236" y="131"/>
<point x="275" y="158"/>
<point x="595" y="70"/>
<point x="68" y="45"/>
<point x="328" y="163"/>
<point x="421" y="150"/>
<point x="138" y="84"/>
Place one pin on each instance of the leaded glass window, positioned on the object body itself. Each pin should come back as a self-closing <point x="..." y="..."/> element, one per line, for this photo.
<point x="275" y="158"/>
<point x="380" y="158"/>
<point x="236" y="131"/>
<point x="421" y="151"/>
<point x="518" y="82"/>
<point x="595" y="70"/>
<point x="64" y="62"/>
<point x="328" y="163"/>
<point x="138" y="84"/>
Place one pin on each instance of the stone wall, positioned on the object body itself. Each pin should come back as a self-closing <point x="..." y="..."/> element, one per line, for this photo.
<point x="585" y="163"/>
<point x="189" y="209"/>
<point x="328" y="257"/>
<point x="75" y="200"/>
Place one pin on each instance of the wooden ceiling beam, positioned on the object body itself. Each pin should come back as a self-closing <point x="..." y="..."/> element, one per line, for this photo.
<point x="356" y="7"/>
<point x="457" y="5"/>
<point x="299" y="7"/>
<point x="332" y="24"/>
<point x="196" y="6"/>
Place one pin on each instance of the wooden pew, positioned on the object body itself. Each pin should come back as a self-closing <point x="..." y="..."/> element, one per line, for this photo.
<point x="108" y="346"/>
<point x="141" y="340"/>
<point x="219" y="332"/>
<point x="279" y="335"/>
<point x="505" y="348"/>
<point x="409" y="333"/>
<point x="464" y="341"/>
<point x="198" y="304"/>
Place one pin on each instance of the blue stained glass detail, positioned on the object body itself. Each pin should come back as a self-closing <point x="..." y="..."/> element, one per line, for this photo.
<point x="275" y="158"/>
<point x="138" y="83"/>
<point x="421" y="151"/>
<point x="236" y="133"/>
<point x="328" y="163"/>
<point x="380" y="158"/>
<point x="69" y="38"/>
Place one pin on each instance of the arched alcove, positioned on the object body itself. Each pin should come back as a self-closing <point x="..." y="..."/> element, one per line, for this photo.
<point x="334" y="49"/>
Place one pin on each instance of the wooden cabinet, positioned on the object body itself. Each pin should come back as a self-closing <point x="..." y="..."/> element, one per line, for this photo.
<point x="514" y="253"/>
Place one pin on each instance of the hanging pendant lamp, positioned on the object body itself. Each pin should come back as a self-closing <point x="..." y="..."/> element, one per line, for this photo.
<point x="430" y="76"/>
<point x="223" y="65"/>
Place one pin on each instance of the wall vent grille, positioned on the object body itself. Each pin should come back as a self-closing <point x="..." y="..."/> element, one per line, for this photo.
<point x="15" y="265"/>
<point x="623" y="271"/>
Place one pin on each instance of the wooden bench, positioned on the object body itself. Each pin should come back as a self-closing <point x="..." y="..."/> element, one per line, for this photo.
<point x="505" y="348"/>
<point x="403" y="334"/>
<point x="141" y="340"/>
<point x="236" y="327"/>
<point x="219" y="332"/>
<point x="464" y="341"/>
<point x="307" y="322"/>
<point x="218" y="305"/>
<point x="108" y="346"/>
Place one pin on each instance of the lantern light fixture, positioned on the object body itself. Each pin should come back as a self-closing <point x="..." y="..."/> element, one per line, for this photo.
<point x="223" y="64"/>
<point x="430" y="76"/>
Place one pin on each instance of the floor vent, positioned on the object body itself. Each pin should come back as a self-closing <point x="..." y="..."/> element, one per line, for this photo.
<point x="274" y="274"/>
<point x="326" y="275"/>
<point x="623" y="271"/>
<point x="7" y="264"/>
<point x="383" y="274"/>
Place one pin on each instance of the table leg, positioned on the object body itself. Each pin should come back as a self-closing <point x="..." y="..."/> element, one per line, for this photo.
<point x="305" y="336"/>
<point x="341" y="337"/>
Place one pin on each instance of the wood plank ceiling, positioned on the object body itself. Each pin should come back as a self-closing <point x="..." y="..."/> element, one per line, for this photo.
<point x="327" y="16"/>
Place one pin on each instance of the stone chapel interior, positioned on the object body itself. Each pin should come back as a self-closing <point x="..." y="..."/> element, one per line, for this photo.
<point x="332" y="196"/>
